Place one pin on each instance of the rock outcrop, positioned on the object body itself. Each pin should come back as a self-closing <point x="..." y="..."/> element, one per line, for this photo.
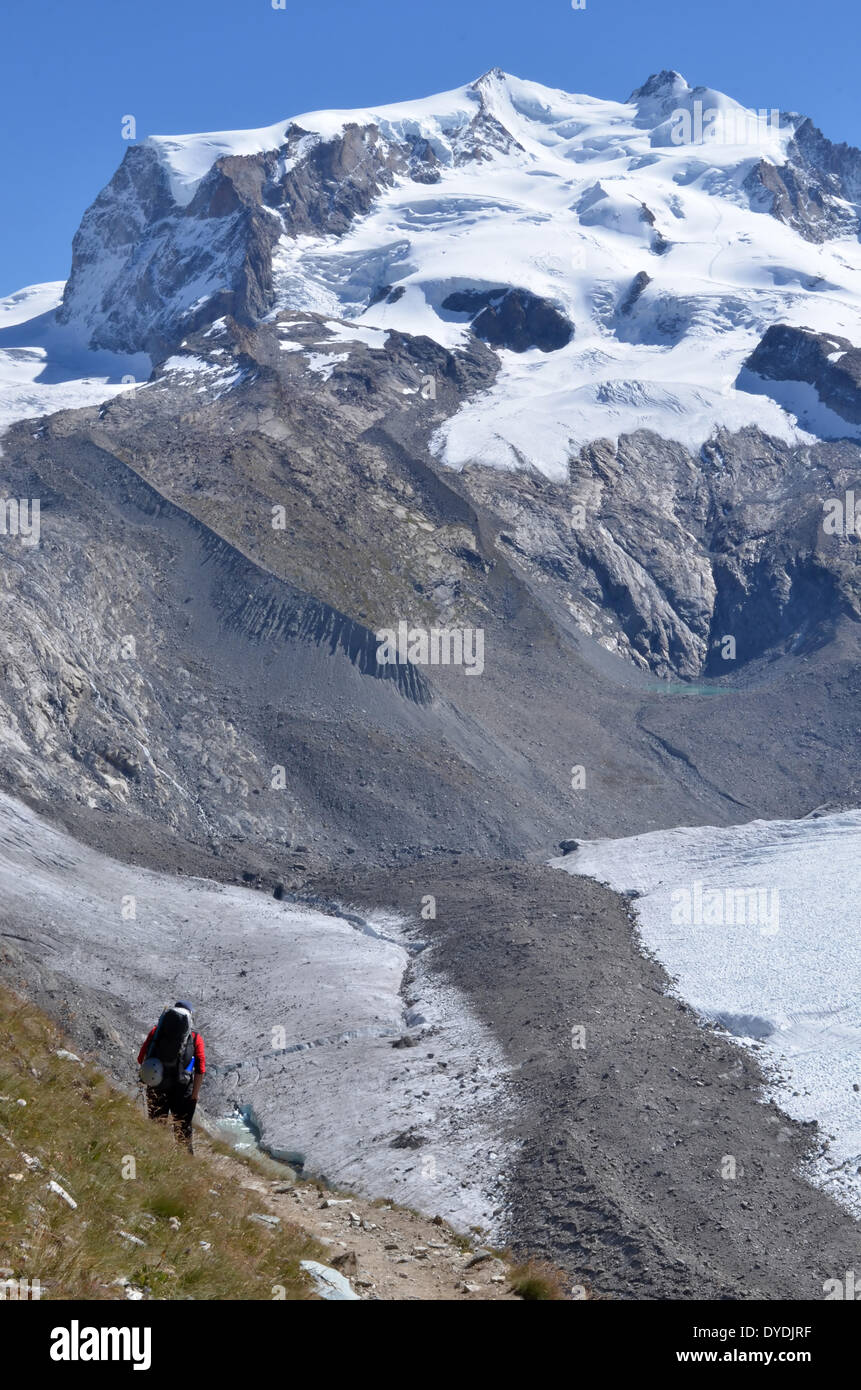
<point x="818" y="189"/>
<point x="512" y="318"/>
<point x="828" y="363"/>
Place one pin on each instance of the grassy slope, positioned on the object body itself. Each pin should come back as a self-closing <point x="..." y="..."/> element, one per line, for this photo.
<point x="82" y="1133"/>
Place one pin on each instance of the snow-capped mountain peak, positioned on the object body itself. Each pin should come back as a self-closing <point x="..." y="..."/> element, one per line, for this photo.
<point x="625" y="258"/>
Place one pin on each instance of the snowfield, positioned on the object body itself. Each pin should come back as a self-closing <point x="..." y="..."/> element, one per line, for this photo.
<point x="573" y="211"/>
<point x="780" y="966"/>
<point x="43" y="365"/>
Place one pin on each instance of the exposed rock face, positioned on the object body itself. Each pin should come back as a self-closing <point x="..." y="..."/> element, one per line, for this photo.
<point x="817" y="191"/>
<point x="638" y="284"/>
<point x="513" y="318"/>
<point x="684" y="552"/>
<point x="828" y="363"/>
<point x="139" y="261"/>
<point x="164" y="253"/>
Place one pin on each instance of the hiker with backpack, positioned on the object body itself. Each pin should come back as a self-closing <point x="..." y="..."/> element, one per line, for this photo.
<point x="172" y="1065"/>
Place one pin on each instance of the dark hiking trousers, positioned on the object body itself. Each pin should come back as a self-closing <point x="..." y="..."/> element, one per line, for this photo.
<point x="175" y="1102"/>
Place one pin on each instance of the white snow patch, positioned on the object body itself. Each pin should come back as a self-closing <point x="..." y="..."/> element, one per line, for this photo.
<point x="43" y="365"/>
<point x="347" y="333"/>
<point x="324" y="363"/>
<point x="329" y="1283"/>
<point x="189" y="364"/>
<point x="189" y="158"/>
<point x="214" y="374"/>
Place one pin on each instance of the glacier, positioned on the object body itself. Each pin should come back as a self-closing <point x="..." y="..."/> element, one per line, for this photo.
<point x="787" y="983"/>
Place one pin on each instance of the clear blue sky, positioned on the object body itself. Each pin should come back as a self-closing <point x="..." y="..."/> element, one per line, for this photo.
<point x="74" y="68"/>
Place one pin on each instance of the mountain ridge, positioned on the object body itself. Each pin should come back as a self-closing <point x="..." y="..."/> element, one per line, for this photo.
<point x="588" y="210"/>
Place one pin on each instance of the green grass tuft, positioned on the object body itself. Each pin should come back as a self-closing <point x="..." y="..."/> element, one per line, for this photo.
<point x="126" y="1174"/>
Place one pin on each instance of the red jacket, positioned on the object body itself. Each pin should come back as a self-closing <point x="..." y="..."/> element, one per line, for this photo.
<point x="199" y="1051"/>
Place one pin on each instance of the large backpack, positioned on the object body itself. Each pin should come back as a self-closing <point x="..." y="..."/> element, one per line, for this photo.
<point x="173" y="1045"/>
